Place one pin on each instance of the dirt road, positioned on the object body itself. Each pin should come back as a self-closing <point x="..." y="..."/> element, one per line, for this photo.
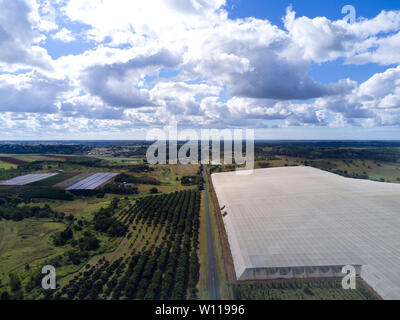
<point x="212" y="264"/>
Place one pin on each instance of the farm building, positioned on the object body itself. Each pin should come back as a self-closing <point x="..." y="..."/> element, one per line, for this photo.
<point x="301" y="222"/>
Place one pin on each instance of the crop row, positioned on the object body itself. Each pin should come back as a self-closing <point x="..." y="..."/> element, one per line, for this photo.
<point x="158" y="258"/>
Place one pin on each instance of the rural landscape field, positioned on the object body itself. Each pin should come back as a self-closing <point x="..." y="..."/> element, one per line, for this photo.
<point x="140" y="231"/>
<point x="199" y="158"/>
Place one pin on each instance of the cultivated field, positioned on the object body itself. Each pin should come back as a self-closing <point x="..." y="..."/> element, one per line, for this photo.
<point x="157" y="259"/>
<point x="37" y="216"/>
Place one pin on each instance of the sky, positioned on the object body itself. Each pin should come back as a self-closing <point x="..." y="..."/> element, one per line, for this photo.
<point x="115" y="69"/>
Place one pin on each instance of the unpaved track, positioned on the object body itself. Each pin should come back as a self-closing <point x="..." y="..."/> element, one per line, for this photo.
<point x="212" y="264"/>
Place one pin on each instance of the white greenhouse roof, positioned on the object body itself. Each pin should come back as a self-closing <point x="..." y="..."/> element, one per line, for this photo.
<point x="93" y="181"/>
<point x="27" y="179"/>
<point x="302" y="216"/>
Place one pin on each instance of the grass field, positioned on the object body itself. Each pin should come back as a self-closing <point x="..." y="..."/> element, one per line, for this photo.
<point x="78" y="207"/>
<point x="167" y="175"/>
<point x="25" y="242"/>
<point x="119" y="160"/>
<point x="203" y="255"/>
<point x="223" y="285"/>
<point x="23" y="157"/>
<point x="28" y="242"/>
<point x="6" y="165"/>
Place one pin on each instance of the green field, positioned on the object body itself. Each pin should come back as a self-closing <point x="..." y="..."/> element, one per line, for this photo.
<point x="23" y="157"/>
<point x="203" y="255"/>
<point x="119" y="160"/>
<point x="25" y="242"/>
<point x="222" y="279"/>
<point x="78" y="207"/>
<point x="6" y="165"/>
<point x="28" y="242"/>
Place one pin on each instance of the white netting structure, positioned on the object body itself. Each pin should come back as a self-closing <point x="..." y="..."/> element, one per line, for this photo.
<point x="304" y="222"/>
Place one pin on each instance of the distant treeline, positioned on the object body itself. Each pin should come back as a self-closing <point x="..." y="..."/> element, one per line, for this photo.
<point x="85" y="161"/>
<point x="93" y="162"/>
<point x="310" y="151"/>
<point x="47" y="193"/>
<point x="43" y="148"/>
<point x="88" y="193"/>
<point x="140" y="168"/>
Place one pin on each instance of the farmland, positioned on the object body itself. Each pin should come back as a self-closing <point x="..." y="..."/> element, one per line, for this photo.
<point x="64" y="211"/>
<point x="20" y="242"/>
<point x="147" y="201"/>
<point x="157" y="259"/>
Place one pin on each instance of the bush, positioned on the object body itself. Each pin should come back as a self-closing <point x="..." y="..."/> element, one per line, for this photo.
<point x="116" y="188"/>
<point x="104" y="222"/>
<point x="15" y="283"/>
<point x="61" y="238"/>
<point x="76" y="257"/>
<point x="123" y="177"/>
<point x="4" y="296"/>
<point x="153" y="190"/>
<point x="44" y="193"/>
<point x="88" y="193"/>
<point x="88" y="243"/>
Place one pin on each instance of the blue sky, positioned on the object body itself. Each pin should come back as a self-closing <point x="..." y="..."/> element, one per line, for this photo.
<point x="115" y="69"/>
<point x="274" y="10"/>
